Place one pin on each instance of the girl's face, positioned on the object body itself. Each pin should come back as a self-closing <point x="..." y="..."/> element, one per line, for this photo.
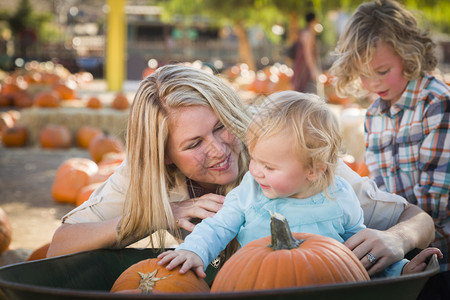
<point x="388" y="81"/>
<point x="278" y="170"/>
<point x="201" y="147"/>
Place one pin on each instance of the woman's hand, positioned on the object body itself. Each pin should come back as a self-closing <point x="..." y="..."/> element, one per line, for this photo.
<point x="201" y="208"/>
<point x="385" y="246"/>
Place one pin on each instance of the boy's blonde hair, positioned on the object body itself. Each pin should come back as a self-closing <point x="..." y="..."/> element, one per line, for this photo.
<point x="312" y="126"/>
<point x="389" y="22"/>
<point x="147" y="206"/>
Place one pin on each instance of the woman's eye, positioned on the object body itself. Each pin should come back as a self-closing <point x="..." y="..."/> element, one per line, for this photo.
<point x="218" y="128"/>
<point x="194" y="145"/>
<point x="383" y="72"/>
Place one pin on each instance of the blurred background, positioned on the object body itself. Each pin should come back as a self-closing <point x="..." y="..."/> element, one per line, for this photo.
<point x="219" y="34"/>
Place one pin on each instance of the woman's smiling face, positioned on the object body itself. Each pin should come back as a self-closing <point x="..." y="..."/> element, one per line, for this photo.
<point x="201" y="147"/>
<point x="387" y="81"/>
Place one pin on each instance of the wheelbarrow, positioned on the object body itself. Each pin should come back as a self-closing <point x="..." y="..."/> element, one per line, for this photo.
<point x="91" y="274"/>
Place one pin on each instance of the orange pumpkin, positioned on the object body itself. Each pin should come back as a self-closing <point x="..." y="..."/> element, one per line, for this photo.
<point x="148" y="277"/>
<point x="65" y="91"/>
<point x="104" y="172"/>
<point x="55" y="137"/>
<point x="21" y="99"/>
<point x="15" y="136"/>
<point x="5" y="100"/>
<point x="103" y="144"/>
<point x="112" y="158"/>
<point x="120" y="102"/>
<point x="284" y="260"/>
<point x="5" y="231"/>
<point x="94" y="103"/>
<point x="47" y="99"/>
<point x="9" y="88"/>
<point x="85" y="134"/>
<point x="72" y="175"/>
<point x="39" y="253"/>
<point x="85" y="192"/>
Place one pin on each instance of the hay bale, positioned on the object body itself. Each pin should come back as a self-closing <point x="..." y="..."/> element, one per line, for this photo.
<point x="112" y="120"/>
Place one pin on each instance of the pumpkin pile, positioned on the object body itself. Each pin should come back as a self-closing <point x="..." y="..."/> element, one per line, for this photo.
<point x="77" y="178"/>
<point x="285" y="260"/>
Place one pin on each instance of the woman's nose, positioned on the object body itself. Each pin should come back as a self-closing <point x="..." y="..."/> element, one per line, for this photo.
<point x="216" y="148"/>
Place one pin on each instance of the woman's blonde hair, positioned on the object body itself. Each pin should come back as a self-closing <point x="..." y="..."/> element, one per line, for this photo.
<point x="391" y="23"/>
<point x="312" y="127"/>
<point x="147" y="206"/>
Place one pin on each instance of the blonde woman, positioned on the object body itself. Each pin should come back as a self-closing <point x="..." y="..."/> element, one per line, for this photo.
<point x="185" y="151"/>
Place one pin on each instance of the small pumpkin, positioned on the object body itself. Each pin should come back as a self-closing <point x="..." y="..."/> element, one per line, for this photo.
<point x="9" y="88"/>
<point x="112" y="158"/>
<point x="65" y="91"/>
<point x="71" y="176"/>
<point x="94" y="103"/>
<point x="285" y="260"/>
<point x="103" y="144"/>
<point x="85" y="134"/>
<point x="5" y="100"/>
<point x="21" y="99"/>
<point x="148" y="277"/>
<point x="15" y="136"/>
<point x="104" y="172"/>
<point x="120" y="102"/>
<point x="55" y="136"/>
<point x="5" y="231"/>
<point x="86" y="192"/>
<point x="48" y="99"/>
<point x="39" y="253"/>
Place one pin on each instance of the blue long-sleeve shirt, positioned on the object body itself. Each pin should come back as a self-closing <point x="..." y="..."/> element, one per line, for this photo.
<point x="246" y="216"/>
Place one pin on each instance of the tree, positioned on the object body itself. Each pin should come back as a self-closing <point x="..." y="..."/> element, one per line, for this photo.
<point x="231" y="12"/>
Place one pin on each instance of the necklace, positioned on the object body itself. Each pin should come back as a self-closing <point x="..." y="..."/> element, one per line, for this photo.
<point x="195" y="190"/>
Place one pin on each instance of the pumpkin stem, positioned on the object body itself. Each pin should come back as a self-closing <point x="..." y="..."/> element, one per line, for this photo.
<point x="148" y="281"/>
<point x="282" y="237"/>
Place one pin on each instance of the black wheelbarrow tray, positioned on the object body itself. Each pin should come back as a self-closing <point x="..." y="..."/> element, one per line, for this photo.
<point x="91" y="274"/>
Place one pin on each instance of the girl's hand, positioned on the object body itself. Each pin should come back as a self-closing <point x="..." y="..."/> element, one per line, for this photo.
<point x="419" y="262"/>
<point x="189" y="260"/>
<point x="385" y="246"/>
<point x="201" y="208"/>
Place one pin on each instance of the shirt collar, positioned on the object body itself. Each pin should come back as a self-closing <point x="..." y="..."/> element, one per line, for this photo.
<point x="409" y="98"/>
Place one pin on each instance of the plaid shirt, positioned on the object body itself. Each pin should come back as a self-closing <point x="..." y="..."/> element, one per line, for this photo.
<point x="408" y="149"/>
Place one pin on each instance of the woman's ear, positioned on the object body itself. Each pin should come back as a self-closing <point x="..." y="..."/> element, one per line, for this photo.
<point x="167" y="160"/>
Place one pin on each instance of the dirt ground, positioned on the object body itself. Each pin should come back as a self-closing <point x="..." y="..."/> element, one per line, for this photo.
<point x="26" y="177"/>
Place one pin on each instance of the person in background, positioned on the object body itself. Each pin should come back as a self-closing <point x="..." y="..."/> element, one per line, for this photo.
<point x="294" y="143"/>
<point x="305" y="65"/>
<point x="383" y="51"/>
